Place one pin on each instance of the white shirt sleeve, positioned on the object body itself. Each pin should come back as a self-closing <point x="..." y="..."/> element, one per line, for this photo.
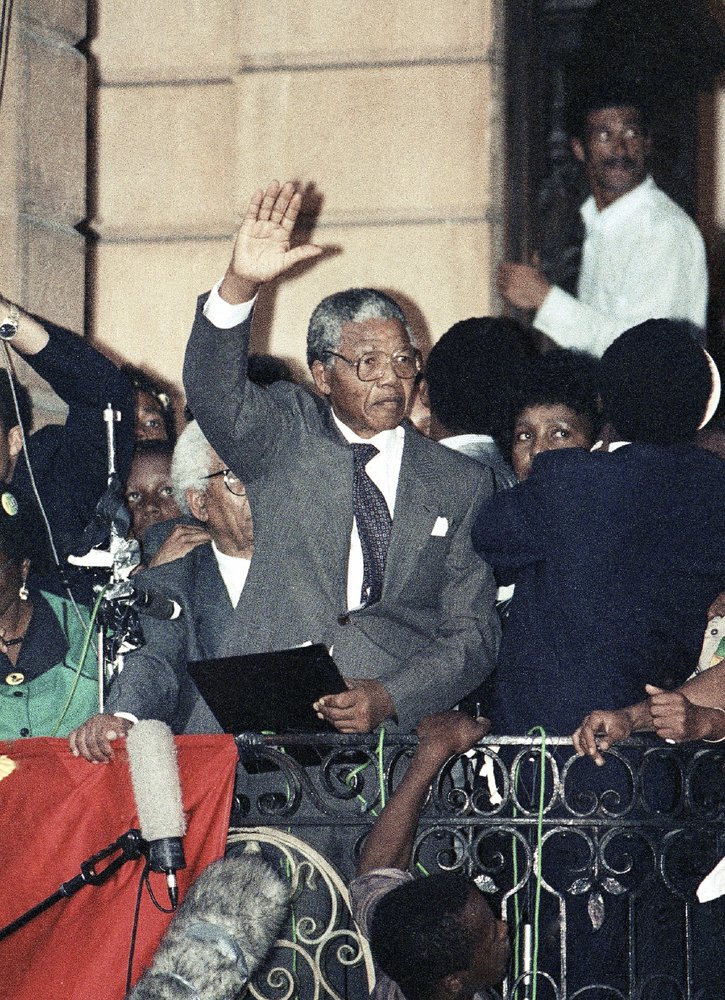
<point x="127" y="716"/>
<point x="223" y="314"/>
<point x="665" y="277"/>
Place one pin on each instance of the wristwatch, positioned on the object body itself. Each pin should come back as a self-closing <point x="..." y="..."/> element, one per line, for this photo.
<point x="9" y="326"/>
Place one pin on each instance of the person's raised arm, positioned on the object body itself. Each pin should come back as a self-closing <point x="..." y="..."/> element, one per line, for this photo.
<point x="31" y="336"/>
<point x="262" y="249"/>
<point x="390" y="842"/>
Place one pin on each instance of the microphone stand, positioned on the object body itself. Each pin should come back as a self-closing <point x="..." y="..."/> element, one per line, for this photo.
<point x="128" y="847"/>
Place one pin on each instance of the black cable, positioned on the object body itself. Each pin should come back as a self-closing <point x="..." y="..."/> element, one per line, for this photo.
<point x="144" y="880"/>
<point x="134" y="928"/>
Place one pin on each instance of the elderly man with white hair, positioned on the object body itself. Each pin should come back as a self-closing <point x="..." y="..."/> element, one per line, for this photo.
<point x="207" y="583"/>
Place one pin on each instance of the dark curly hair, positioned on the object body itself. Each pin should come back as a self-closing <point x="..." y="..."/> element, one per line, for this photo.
<point x="468" y="370"/>
<point x="417" y="935"/>
<point x="557" y="377"/>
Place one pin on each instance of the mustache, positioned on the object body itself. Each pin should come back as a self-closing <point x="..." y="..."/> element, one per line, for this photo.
<point x="621" y="161"/>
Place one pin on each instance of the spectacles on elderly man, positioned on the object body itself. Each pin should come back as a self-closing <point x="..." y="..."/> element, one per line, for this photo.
<point x="372" y="365"/>
<point x="232" y="482"/>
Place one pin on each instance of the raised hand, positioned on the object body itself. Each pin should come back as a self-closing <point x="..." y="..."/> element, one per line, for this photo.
<point x="262" y="249"/>
<point x="522" y="286"/>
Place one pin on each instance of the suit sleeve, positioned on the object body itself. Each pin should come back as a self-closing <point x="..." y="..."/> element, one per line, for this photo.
<point x="70" y="462"/>
<point x="506" y="532"/>
<point x="150" y="682"/>
<point x="464" y="650"/>
<point x="244" y="423"/>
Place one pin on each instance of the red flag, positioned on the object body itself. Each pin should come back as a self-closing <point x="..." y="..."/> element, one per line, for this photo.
<point x="56" y="811"/>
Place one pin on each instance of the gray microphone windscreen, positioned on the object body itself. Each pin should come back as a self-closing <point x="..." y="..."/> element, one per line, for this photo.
<point x="221" y="933"/>
<point x="155" y="780"/>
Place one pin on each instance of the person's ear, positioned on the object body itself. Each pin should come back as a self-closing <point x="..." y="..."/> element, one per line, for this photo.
<point x="15" y="441"/>
<point x="321" y="377"/>
<point x="196" y="500"/>
<point x="578" y="150"/>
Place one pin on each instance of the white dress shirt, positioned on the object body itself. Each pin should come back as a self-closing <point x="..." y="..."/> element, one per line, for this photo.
<point x="643" y="258"/>
<point x="234" y="571"/>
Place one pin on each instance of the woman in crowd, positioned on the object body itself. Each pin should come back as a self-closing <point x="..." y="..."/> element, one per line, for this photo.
<point x="48" y="676"/>
<point x="553" y="404"/>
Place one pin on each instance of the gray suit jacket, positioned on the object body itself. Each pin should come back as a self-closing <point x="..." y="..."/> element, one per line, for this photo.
<point x="433" y="635"/>
<point x="154" y="683"/>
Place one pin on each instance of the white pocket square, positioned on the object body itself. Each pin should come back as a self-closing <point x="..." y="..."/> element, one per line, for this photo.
<point x="440" y="528"/>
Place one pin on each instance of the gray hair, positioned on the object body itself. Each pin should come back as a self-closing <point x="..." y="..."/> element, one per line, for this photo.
<point x="356" y="305"/>
<point x="191" y="462"/>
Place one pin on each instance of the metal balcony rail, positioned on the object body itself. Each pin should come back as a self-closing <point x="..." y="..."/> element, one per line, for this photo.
<point x="595" y="869"/>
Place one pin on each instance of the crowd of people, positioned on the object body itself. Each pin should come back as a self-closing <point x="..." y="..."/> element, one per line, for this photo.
<point x="550" y="551"/>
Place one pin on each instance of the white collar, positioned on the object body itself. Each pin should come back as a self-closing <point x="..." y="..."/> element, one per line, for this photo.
<point x="619" y="209"/>
<point x="613" y="445"/>
<point x="461" y="440"/>
<point x="231" y="561"/>
<point x="384" y="441"/>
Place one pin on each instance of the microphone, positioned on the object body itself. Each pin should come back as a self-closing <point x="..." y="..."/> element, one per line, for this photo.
<point x="156" y="605"/>
<point x="221" y="933"/>
<point x="157" y="791"/>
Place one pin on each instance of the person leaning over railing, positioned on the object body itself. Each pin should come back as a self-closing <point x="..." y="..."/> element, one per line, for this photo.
<point x="434" y="938"/>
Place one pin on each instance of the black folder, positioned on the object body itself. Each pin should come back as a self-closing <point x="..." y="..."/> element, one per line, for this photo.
<point x="274" y="692"/>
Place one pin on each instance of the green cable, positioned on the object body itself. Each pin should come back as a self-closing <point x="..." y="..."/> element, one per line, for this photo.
<point x="84" y="654"/>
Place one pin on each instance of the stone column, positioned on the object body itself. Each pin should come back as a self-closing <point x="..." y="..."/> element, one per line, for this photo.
<point x="43" y="162"/>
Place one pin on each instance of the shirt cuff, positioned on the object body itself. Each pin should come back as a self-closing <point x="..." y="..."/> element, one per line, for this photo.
<point x="127" y="716"/>
<point x="224" y="315"/>
<point x="552" y="310"/>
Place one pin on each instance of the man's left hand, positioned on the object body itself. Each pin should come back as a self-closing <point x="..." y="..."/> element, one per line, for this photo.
<point x="361" y="709"/>
<point x="522" y="286"/>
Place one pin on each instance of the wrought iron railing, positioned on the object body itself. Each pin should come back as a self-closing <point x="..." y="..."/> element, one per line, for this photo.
<point x="622" y="850"/>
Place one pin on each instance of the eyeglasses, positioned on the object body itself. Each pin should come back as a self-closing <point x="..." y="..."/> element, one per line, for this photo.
<point x="371" y="366"/>
<point x="606" y="136"/>
<point x="232" y="482"/>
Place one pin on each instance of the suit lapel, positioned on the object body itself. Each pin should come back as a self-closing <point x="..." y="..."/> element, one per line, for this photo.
<point x="212" y="608"/>
<point x="415" y="510"/>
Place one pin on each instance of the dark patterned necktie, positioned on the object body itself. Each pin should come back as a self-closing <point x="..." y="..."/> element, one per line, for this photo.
<point x="373" y="523"/>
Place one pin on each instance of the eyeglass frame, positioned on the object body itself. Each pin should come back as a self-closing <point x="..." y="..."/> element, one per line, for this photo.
<point x="390" y="359"/>
<point x="226" y="473"/>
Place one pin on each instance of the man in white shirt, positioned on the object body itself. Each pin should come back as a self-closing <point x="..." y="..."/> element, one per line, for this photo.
<point x="643" y="257"/>
<point x="207" y="584"/>
<point x="365" y="551"/>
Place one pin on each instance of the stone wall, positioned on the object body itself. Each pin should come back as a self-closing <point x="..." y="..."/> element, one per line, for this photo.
<point x="391" y="112"/>
<point x="43" y="165"/>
